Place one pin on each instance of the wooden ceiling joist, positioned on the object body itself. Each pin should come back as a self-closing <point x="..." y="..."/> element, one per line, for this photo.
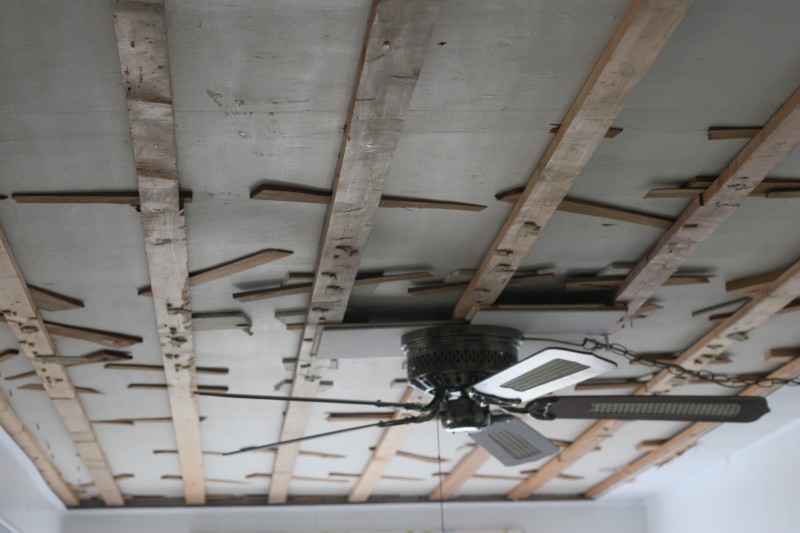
<point x="141" y="29"/>
<point x="293" y="193"/>
<point x="24" y="318"/>
<point x="52" y="301"/>
<point x="12" y="425"/>
<point x="7" y="355"/>
<point x="708" y="212"/>
<point x="768" y="303"/>
<point x="105" y="338"/>
<point x="685" y="439"/>
<point x="105" y="197"/>
<point x="638" y="40"/>
<point x="604" y="283"/>
<point x="397" y="37"/>
<point x="640" y="37"/>
<point x="438" y="288"/>
<point x="726" y="133"/>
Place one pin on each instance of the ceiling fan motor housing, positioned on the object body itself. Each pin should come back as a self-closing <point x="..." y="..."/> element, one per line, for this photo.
<point x="453" y="358"/>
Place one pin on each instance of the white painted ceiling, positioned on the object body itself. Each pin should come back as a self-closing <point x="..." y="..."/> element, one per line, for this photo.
<point x="261" y="90"/>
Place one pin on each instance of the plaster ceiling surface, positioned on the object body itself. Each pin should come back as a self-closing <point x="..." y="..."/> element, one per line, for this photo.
<point x="261" y="94"/>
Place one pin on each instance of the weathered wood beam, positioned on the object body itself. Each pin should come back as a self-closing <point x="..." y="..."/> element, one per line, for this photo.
<point x="752" y="284"/>
<point x="293" y="193"/>
<point x="23" y="375"/>
<point x="397" y="37"/>
<point x="604" y="283"/>
<point x="167" y="387"/>
<point x="24" y="318"/>
<point x="52" y="301"/>
<point x="305" y="288"/>
<point x="438" y="288"/>
<point x="297" y="478"/>
<point x="7" y="355"/>
<point x="141" y="30"/>
<point x="230" y="268"/>
<point x="640" y="37"/>
<point x="394" y="478"/>
<point x="12" y="425"/>
<point x="596" y="209"/>
<point x="41" y="387"/>
<point x="134" y="421"/>
<point x="383" y="453"/>
<point x="719" y="201"/>
<point x="100" y="356"/>
<point x="106" y="197"/>
<point x="214" y="371"/>
<point x="752" y="314"/>
<point x="686" y="438"/>
<point x="207" y="480"/>
<point x="106" y="338"/>
<point x="768" y="188"/>
<point x="610" y="134"/>
<point x="782" y="354"/>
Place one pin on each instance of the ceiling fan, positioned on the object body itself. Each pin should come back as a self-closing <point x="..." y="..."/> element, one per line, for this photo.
<point x="478" y="386"/>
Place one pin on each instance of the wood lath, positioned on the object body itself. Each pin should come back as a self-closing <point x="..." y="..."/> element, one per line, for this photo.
<point x="775" y="296"/>
<point x="22" y="315"/>
<point x="397" y="36"/>
<point x="685" y="439"/>
<point x="638" y="40"/>
<point x="141" y="29"/>
<point x="640" y="37"/>
<point x="708" y="212"/>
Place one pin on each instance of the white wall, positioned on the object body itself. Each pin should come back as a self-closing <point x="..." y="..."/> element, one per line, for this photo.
<point x="756" y="489"/>
<point x="26" y="503"/>
<point x="578" y="517"/>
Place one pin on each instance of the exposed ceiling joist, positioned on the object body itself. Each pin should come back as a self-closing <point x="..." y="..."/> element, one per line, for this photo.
<point x="775" y="296"/>
<point x="637" y="42"/>
<point x="397" y="37"/>
<point x="640" y="37"/>
<point x="708" y="212"/>
<point x="686" y="438"/>
<point x="141" y="30"/>
<point x="22" y="315"/>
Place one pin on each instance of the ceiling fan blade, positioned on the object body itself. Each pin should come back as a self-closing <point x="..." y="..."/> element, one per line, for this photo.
<point x="513" y="442"/>
<point x="542" y="373"/>
<point x="376" y="403"/>
<point x="678" y="408"/>
<point x="300" y="439"/>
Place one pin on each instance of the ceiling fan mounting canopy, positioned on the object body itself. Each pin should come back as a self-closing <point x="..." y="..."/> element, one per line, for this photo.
<point x="453" y="358"/>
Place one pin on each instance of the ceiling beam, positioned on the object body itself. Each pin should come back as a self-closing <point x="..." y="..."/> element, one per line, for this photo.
<point x="12" y="425"/>
<point x="709" y="211"/>
<point x="141" y="30"/>
<point x="383" y="453"/>
<point x="25" y="320"/>
<point x="685" y="439"/>
<point x="396" y="40"/>
<point x="705" y="350"/>
<point x="640" y="37"/>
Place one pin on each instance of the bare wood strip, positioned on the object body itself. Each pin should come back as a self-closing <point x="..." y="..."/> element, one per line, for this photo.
<point x="41" y="387"/>
<point x="99" y="356"/>
<point x="395" y="478"/>
<point x="383" y="453"/>
<point x="320" y="455"/>
<point x="52" y="301"/>
<point x="673" y="192"/>
<point x="766" y="304"/>
<point x="787" y="193"/>
<point x="610" y="133"/>
<point x="215" y="371"/>
<point x="723" y="133"/>
<point x="706" y="214"/>
<point x="230" y="268"/>
<point x="141" y="30"/>
<point x="23" y="375"/>
<point x="488" y="477"/>
<point x="207" y="480"/>
<point x="603" y="283"/>
<point x="134" y="421"/>
<point x="289" y="193"/>
<point x="397" y="37"/>
<point x="7" y="355"/>
<point x="751" y="284"/>
<point x="439" y="288"/>
<point x="685" y="439"/>
<point x="305" y="288"/>
<point x="118" y="477"/>
<point x="650" y="445"/>
<point x="595" y="209"/>
<point x="782" y="354"/>
<point x="12" y="425"/>
<point x="25" y="321"/>
<point x="639" y="39"/>
<point x="421" y="458"/>
<point x="460" y="474"/>
<point x="106" y="338"/>
<point x="768" y="188"/>
<point x="116" y="197"/>
<point x="298" y="478"/>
